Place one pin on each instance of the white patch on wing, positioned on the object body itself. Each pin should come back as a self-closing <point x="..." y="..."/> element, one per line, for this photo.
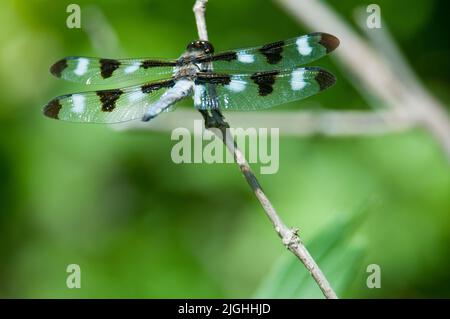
<point x="78" y="103"/>
<point x="245" y="58"/>
<point x="236" y="85"/>
<point x="303" y="46"/>
<point x="136" y="96"/>
<point x="298" y="79"/>
<point x="226" y="101"/>
<point x="82" y="66"/>
<point x="132" y="68"/>
<point x="199" y="90"/>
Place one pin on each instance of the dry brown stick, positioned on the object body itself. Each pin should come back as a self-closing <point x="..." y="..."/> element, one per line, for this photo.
<point x="288" y="236"/>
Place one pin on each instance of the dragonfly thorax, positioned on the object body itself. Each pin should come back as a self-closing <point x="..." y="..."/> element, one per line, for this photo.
<point x="187" y="71"/>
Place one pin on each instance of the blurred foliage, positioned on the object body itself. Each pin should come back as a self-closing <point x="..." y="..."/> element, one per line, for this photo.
<point x="141" y="226"/>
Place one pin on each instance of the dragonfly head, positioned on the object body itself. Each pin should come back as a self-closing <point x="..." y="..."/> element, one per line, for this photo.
<point x="200" y="46"/>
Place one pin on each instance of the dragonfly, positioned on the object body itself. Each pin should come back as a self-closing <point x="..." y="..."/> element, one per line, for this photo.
<point x="244" y="79"/>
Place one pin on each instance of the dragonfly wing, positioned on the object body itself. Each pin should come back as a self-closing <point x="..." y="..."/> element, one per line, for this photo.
<point x="259" y="90"/>
<point x="279" y="55"/>
<point x="110" y="71"/>
<point x="107" y="106"/>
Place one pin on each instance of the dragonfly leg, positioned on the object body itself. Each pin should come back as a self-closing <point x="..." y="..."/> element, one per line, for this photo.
<point x="214" y="119"/>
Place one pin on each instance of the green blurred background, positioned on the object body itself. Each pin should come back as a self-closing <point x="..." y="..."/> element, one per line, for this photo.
<point x="141" y="226"/>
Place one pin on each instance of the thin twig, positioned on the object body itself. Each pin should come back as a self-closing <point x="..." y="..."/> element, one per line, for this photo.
<point x="289" y="123"/>
<point x="289" y="236"/>
<point x="199" y="12"/>
<point x="373" y="71"/>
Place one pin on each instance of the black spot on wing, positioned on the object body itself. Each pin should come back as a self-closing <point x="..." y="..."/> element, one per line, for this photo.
<point x="265" y="81"/>
<point x="57" y="68"/>
<point x="150" y="87"/>
<point x="272" y="52"/>
<point x="52" y="108"/>
<point x="108" y="99"/>
<point x="328" y="41"/>
<point x="156" y="63"/>
<point x="324" y="78"/>
<point x="224" y="56"/>
<point x="206" y="58"/>
<point x="212" y="78"/>
<point x="108" y="66"/>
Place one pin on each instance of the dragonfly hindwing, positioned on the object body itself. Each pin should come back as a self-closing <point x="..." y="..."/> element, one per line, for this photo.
<point x="259" y="90"/>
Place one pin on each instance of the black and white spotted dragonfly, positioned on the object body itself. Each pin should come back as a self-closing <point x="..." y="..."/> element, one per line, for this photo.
<point x="245" y="79"/>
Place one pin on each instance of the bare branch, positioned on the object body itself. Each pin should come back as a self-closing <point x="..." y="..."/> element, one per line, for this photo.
<point x="199" y="12"/>
<point x="373" y="71"/>
<point x="289" y="236"/>
<point x="290" y="123"/>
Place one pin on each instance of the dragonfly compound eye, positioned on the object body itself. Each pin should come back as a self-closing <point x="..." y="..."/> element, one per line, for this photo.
<point x="201" y="45"/>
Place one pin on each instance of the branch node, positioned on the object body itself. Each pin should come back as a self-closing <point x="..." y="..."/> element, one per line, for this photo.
<point x="291" y="239"/>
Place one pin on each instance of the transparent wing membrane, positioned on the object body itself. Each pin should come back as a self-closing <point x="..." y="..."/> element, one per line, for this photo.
<point x="110" y="71"/>
<point x="244" y="79"/>
<point x="107" y="106"/>
<point x="259" y="90"/>
<point x="279" y="55"/>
